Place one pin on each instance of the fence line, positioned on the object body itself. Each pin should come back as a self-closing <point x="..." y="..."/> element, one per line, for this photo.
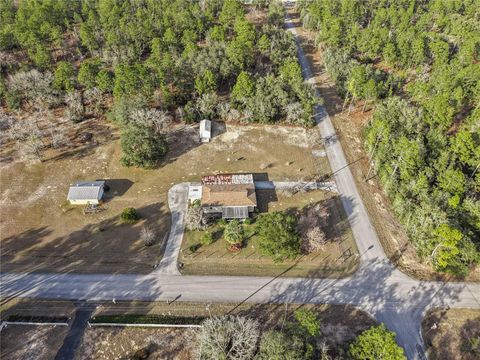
<point x="147" y="325"/>
<point x="5" y="323"/>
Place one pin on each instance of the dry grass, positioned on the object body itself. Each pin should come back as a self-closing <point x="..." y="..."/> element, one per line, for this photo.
<point x="349" y="126"/>
<point x="456" y="330"/>
<point x="340" y="324"/>
<point x="39" y="232"/>
<point x="31" y="342"/>
<point x="327" y="261"/>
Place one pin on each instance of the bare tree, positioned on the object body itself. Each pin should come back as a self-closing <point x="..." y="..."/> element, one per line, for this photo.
<point x="147" y="235"/>
<point x="194" y="219"/>
<point x="313" y="240"/>
<point x="159" y="120"/>
<point x="94" y="97"/>
<point x="227" y="337"/>
<point x="75" y="109"/>
<point x="35" y="87"/>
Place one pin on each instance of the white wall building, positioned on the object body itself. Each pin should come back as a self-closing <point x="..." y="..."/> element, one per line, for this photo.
<point x="83" y="193"/>
<point x="205" y="130"/>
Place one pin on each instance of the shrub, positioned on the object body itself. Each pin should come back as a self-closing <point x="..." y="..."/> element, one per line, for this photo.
<point x="248" y="221"/>
<point x="129" y="215"/>
<point x="193" y="248"/>
<point x="194" y="218"/>
<point x="233" y="232"/>
<point x="147" y="235"/>
<point x="227" y="337"/>
<point x="141" y="146"/>
<point x="308" y="321"/>
<point x="376" y="343"/>
<point x="207" y="238"/>
<point x="222" y="222"/>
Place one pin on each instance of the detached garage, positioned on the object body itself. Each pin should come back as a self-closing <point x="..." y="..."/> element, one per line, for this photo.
<point x="83" y="193"/>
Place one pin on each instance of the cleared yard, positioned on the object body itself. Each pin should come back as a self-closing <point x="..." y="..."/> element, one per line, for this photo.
<point x="40" y="232"/>
<point x="336" y="258"/>
<point x="452" y="334"/>
<point x="23" y="342"/>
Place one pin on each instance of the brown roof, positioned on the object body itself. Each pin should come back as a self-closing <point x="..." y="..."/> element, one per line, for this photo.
<point x="229" y="195"/>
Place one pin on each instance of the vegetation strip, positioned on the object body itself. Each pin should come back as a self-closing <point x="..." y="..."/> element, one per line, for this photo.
<point x="162" y="320"/>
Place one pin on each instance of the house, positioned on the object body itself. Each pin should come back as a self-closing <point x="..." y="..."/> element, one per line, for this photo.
<point x="232" y="196"/>
<point x="83" y="193"/>
<point x="205" y="130"/>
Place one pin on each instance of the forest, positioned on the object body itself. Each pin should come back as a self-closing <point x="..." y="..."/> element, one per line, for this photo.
<point x="417" y="64"/>
<point x="145" y="64"/>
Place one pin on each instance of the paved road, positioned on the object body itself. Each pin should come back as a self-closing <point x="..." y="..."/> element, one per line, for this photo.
<point x="377" y="287"/>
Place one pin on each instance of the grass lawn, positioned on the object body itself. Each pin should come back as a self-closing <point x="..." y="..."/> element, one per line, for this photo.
<point x="216" y="259"/>
<point x="39" y="232"/>
<point x="456" y="335"/>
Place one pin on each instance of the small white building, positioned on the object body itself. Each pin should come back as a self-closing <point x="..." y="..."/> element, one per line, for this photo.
<point x="83" y="193"/>
<point x="194" y="192"/>
<point x="205" y="130"/>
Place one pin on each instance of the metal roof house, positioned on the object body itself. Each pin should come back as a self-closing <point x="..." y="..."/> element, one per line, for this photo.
<point x="83" y="193"/>
<point x="205" y="130"/>
<point x="231" y="195"/>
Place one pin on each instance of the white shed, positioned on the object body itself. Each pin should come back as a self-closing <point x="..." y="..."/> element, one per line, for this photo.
<point x="83" y="193"/>
<point x="205" y="130"/>
<point x="194" y="192"/>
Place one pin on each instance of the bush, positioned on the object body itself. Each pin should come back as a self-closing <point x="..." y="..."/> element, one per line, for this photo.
<point x="376" y="343"/>
<point x="233" y="232"/>
<point x="248" y="221"/>
<point x="193" y="248"/>
<point x="147" y="235"/>
<point x="129" y="215"/>
<point x="141" y="146"/>
<point x="222" y="222"/>
<point x="227" y="337"/>
<point x="308" y="321"/>
<point x="207" y="238"/>
<point x="194" y="218"/>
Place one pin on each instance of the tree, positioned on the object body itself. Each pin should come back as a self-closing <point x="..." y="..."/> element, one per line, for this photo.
<point x="105" y="81"/>
<point x="194" y="219"/>
<point x="278" y="236"/>
<point x="205" y="83"/>
<point x="233" y="232"/>
<point x="308" y="321"/>
<point x="376" y="343"/>
<point x="87" y="74"/>
<point x="64" y="76"/>
<point x="228" y="337"/>
<point x="244" y="88"/>
<point x="446" y="249"/>
<point x="141" y="146"/>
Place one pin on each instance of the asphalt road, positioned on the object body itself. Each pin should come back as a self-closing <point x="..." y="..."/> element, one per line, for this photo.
<point x="377" y="287"/>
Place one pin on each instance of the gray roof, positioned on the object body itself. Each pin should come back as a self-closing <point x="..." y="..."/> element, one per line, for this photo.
<point x="235" y="212"/>
<point x="85" y="190"/>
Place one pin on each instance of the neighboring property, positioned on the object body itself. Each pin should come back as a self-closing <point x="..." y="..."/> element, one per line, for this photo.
<point x="84" y="193"/>
<point x="205" y="130"/>
<point x="230" y="195"/>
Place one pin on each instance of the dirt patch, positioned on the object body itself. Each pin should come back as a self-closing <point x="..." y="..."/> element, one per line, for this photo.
<point x="120" y="343"/>
<point x="452" y="334"/>
<point x="335" y="258"/>
<point x="349" y="125"/>
<point x="31" y="342"/>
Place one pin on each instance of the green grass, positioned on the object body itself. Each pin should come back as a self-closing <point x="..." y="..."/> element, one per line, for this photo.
<point x="216" y="259"/>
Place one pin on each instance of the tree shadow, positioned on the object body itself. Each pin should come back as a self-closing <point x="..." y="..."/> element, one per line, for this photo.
<point x="105" y="246"/>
